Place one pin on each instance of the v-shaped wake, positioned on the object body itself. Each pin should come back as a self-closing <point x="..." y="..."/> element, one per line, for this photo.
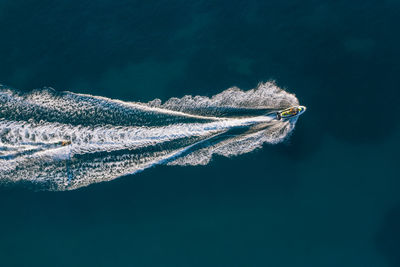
<point x="63" y="141"/>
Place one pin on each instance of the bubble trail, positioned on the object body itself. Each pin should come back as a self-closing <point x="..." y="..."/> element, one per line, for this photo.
<point x="63" y="141"/>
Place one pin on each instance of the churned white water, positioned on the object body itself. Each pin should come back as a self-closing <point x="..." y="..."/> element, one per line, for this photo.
<point x="105" y="138"/>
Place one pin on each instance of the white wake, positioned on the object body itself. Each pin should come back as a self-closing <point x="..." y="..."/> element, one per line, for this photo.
<point x="63" y="141"/>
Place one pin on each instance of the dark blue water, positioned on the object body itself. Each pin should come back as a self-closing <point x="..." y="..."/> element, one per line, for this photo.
<point x="328" y="197"/>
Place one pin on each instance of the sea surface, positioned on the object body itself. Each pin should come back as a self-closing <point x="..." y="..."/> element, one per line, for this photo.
<point x="328" y="195"/>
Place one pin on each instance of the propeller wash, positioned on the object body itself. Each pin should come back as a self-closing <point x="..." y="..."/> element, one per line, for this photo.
<point x="62" y="141"/>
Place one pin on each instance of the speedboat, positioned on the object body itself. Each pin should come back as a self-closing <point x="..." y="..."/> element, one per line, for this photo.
<point x="290" y="112"/>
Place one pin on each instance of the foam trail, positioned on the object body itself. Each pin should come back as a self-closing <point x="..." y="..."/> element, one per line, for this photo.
<point x="111" y="138"/>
